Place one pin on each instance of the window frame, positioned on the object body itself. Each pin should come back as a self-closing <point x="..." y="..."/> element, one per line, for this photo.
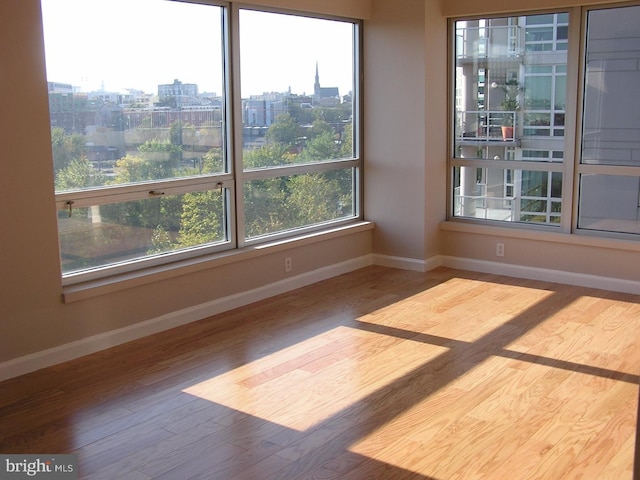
<point x="230" y="182"/>
<point x="566" y="167"/>
<point x="573" y="168"/>
<point x="588" y="168"/>
<point x="245" y="175"/>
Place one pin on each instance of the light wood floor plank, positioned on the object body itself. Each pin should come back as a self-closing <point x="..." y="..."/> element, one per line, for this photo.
<point x="380" y="373"/>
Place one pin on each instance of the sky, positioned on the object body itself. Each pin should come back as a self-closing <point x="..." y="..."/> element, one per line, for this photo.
<point x="119" y="44"/>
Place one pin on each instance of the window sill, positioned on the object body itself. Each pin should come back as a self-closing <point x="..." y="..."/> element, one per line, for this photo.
<point x="103" y="286"/>
<point x="542" y="236"/>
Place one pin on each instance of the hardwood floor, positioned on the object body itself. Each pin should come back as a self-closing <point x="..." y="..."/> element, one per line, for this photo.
<point x="379" y="373"/>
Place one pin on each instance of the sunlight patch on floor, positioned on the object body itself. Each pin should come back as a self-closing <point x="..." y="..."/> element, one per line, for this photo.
<point x="330" y="373"/>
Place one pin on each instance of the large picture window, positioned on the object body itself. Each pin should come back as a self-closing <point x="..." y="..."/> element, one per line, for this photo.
<point x="298" y="153"/>
<point x="148" y="166"/>
<point x="510" y="108"/>
<point x="609" y="168"/>
<point x="512" y="91"/>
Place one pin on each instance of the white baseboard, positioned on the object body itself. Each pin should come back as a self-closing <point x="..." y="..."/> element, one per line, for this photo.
<point x="407" y="263"/>
<point x="70" y="351"/>
<point x="543" y="274"/>
<point x="510" y="270"/>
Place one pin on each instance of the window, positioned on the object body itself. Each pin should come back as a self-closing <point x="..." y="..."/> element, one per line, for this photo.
<point x="529" y="166"/>
<point x="298" y="157"/>
<point x="609" y="169"/>
<point x="545" y="33"/>
<point x="518" y="117"/>
<point x="149" y="168"/>
<point x="544" y="96"/>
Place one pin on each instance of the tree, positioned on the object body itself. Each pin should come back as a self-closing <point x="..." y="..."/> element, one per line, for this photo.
<point x="318" y="128"/>
<point x="268" y="156"/>
<point x="302" y="116"/>
<point x="130" y="169"/>
<point x="78" y="174"/>
<point x="346" y="142"/>
<point x="160" y="241"/>
<point x="322" y="147"/>
<point x="66" y="148"/>
<point x="165" y="155"/>
<point x="202" y="219"/>
<point x="284" y="130"/>
<point x="212" y="161"/>
<point x="265" y="206"/>
<point x="315" y="198"/>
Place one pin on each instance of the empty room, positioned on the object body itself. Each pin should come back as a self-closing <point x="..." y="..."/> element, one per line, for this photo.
<point x="320" y="239"/>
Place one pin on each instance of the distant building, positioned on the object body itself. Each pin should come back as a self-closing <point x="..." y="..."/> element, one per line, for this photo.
<point x="178" y="94"/>
<point x="69" y="111"/>
<point x="324" y="96"/>
<point x="262" y="110"/>
<point x="57" y="87"/>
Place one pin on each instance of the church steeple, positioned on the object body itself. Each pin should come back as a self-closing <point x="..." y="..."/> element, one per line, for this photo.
<point x="316" y="86"/>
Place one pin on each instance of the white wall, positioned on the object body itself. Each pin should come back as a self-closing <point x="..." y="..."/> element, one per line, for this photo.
<point x="394" y="127"/>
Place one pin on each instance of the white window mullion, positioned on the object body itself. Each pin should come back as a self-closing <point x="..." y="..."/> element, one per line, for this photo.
<point x="573" y="111"/>
<point x="125" y="193"/>
<point x="236" y="136"/>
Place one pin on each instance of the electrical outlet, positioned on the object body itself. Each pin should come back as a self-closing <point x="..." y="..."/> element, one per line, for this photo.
<point x="499" y="249"/>
<point x="288" y="264"/>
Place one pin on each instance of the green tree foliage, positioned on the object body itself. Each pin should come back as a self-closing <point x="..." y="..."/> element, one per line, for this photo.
<point x="156" y="160"/>
<point x="212" y="161"/>
<point x="160" y="241"/>
<point x="346" y="142"/>
<point x="285" y="130"/>
<point x="132" y="169"/>
<point x="79" y="173"/>
<point x="201" y="221"/>
<point x="322" y="147"/>
<point x="268" y="156"/>
<point x="265" y="206"/>
<point x="314" y="198"/>
<point x="181" y="221"/>
<point x="66" y="148"/>
<point x="175" y="137"/>
<point x="318" y="128"/>
<point x="165" y="155"/>
<point x="302" y="116"/>
<point x="288" y="202"/>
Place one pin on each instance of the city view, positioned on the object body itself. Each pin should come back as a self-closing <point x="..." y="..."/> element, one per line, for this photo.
<point x="142" y="173"/>
<point x="115" y="124"/>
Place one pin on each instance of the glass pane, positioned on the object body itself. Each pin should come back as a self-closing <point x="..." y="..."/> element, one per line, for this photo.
<point x="133" y="104"/>
<point x="506" y="98"/>
<point x="533" y="197"/>
<point x="538" y="92"/>
<point x="297" y="89"/>
<point x="539" y="19"/>
<point x="609" y="203"/>
<point x="290" y="202"/>
<point x="562" y="33"/>
<point x="109" y="234"/>
<point x="611" y="126"/>
<point x="539" y="34"/>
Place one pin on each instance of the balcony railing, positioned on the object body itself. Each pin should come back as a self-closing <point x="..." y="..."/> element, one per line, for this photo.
<point x="507" y="209"/>
<point x="494" y="42"/>
<point x="485" y="126"/>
